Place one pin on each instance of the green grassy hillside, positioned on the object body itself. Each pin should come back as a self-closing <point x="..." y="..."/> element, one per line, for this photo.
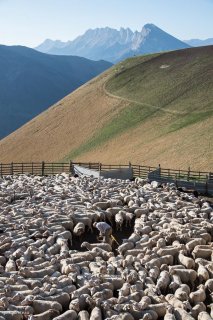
<point x="149" y="110"/>
<point x="176" y="84"/>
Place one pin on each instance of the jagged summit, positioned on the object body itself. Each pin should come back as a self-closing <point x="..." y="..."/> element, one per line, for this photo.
<point x="150" y="25"/>
<point x="115" y="45"/>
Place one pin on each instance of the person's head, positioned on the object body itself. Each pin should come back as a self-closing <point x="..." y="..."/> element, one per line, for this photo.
<point x="94" y="224"/>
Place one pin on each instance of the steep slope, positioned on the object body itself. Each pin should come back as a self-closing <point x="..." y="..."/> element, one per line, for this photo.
<point x="115" y="45"/>
<point x="199" y="43"/>
<point x="151" y="109"/>
<point x="31" y="81"/>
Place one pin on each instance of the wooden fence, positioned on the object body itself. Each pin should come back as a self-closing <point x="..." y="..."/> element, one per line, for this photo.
<point x="34" y="168"/>
<point x="44" y="168"/>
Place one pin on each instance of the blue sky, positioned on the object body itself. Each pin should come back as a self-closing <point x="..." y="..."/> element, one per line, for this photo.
<point x="29" y="22"/>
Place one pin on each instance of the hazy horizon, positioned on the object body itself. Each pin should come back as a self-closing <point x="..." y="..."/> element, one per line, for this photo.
<point x="30" y="22"/>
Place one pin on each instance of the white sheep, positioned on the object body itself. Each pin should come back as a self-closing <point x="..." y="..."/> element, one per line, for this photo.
<point x="203" y="315"/>
<point x="125" y="246"/>
<point x="83" y="315"/>
<point x="79" y="229"/>
<point x="96" y="314"/>
<point x="90" y="246"/>
<point x="199" y="295"/>
<point x="119" y="219"/>
<point x="181" y="314"/>
<point x="67" y="315"/>
<point x="187" y="262"/>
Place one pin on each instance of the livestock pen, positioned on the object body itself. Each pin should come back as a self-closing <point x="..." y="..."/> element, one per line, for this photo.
<point x="164" y="250"/>
<point x="199" y="180"/>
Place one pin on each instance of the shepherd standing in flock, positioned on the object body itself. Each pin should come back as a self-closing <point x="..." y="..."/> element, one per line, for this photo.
<point x="105" y="231"/>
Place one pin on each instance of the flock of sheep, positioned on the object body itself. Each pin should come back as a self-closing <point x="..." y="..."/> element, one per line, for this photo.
<point x="163" y="270"/>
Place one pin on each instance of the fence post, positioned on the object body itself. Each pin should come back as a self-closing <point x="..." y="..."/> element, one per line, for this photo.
<point x="11" y="168"/>
<point x="130" y="167"/>
<point x="188" y="176"/>
<point x="139" y="170"/>
<point x="1" y="169"/>
<point x="71" y="168"/>
<point x="176" y="180"/>
<point x="42" y="168"/>
<point x="32" y="169"/>
<point x="159" y="167"/>
<point x="100" y="168"/>
<point x="206" y="185"/>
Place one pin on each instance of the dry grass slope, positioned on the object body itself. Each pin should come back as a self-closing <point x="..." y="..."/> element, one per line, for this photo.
<point x="64" y="126"/>
<point x="148" y="110"/>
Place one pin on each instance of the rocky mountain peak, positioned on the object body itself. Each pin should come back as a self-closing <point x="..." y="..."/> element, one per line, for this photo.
<point x="114" y="45"/>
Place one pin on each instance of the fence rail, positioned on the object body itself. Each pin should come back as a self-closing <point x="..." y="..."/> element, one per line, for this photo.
<point x="46" y="168"/>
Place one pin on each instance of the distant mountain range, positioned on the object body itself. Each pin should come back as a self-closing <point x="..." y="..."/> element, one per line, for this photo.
<point x="199" y="43"/>
<point x="31" y="81"/>
<point x="114" y="45"/>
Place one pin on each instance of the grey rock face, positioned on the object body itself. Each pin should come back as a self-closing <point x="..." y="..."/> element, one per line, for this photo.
<point x="114" y="45"/>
